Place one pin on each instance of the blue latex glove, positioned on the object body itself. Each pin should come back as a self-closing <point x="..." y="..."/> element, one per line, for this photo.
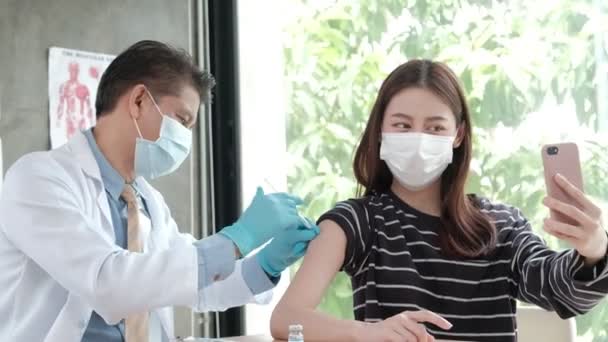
<point x="266" y="216"/>
<point x="286" y="248"/>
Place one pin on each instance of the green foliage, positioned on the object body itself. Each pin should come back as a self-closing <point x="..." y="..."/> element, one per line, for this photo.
<point x="513" y="59"/>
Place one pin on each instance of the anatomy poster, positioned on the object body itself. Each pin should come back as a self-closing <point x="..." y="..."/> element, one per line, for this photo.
<point x="73" y="79"/>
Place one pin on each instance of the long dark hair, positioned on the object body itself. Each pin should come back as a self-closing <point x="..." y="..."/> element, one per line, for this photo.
<point x="466" y="231"/>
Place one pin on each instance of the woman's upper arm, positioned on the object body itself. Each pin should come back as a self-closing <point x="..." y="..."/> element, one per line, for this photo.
<point x="323" y="259"/>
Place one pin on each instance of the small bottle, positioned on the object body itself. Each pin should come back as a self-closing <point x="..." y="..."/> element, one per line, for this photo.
<point x="296" y="333"/>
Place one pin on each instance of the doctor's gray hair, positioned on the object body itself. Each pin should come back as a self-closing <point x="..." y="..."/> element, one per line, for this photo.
<point x="161" y="67"/>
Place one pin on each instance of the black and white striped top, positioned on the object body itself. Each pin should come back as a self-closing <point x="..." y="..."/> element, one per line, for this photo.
<point x="395" y="263"/>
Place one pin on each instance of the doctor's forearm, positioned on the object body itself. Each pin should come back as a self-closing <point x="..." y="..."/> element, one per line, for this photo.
<point x="113" y="299"/>
<point x="216" y="259"/>
<point x="256" y="278"/>
<point x="217" y="256"/>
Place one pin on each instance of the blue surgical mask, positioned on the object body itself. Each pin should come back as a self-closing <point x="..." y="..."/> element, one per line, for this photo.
<point x="161" y="157"/>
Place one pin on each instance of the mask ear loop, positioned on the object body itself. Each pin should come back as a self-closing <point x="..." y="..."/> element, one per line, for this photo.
<point x="155" y="104"/>
<point x="137" y="128"/>
<point x="158" y="111"/>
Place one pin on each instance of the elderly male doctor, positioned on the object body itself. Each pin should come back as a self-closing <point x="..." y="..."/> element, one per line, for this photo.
<point x="89" y="250"/>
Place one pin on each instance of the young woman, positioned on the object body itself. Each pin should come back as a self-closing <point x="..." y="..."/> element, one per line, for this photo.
<point x="426" y="260"/>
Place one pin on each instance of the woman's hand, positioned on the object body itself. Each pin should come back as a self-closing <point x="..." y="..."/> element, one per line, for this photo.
<point x="586" y="234"/>
<point x="404" y="327"/>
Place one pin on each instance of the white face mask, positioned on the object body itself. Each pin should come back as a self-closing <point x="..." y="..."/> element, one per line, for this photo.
<point x="163" y="156"/>
<point x="416" y="160"/>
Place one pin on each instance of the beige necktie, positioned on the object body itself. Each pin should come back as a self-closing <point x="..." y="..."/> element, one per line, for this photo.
<point x="136" y="325"/>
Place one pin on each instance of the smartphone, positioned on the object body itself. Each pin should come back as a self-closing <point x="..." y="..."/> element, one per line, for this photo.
<point x="563" y="159"/>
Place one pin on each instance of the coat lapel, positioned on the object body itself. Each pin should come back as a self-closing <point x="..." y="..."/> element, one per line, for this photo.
<point x="81" y="150"/>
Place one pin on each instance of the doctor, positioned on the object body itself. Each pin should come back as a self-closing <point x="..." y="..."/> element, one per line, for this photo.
<point x="88" y="248"/>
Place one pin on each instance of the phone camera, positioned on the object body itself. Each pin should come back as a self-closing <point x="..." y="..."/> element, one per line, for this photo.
<point x="552" y="150"/>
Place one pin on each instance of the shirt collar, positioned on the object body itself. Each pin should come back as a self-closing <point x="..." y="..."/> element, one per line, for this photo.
<point x="112" y="180"/>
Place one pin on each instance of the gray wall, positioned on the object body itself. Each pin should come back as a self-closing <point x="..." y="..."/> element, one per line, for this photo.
<point x="29" y="27"/>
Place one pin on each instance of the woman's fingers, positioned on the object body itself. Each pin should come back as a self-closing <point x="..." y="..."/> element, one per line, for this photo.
<point x="567" y="230"/>
<point x="572" y="241"/>
<point x="419" y="331"/>
<point x="399" y="329"/>
<point x="569" y="210"/>
<point x="430" y="317"/>
<point x="577" y="194"/>
<point x="409" y="326"/>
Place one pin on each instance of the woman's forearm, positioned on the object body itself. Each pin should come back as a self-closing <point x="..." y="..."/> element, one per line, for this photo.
<point x="323" y="259"/>
<point x="317" y="326"/>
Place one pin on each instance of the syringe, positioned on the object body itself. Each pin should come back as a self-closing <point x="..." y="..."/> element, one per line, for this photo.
<point x="274" y="189"/>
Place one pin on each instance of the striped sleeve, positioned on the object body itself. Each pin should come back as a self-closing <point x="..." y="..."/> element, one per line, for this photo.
<point x="556" y="281"/>
<point x="352" y="217"/>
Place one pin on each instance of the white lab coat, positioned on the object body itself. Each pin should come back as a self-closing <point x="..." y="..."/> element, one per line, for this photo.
<point x="59" y="260"/>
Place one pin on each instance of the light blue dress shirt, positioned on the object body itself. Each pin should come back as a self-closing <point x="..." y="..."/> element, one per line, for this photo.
<point x="215" y="253"/>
